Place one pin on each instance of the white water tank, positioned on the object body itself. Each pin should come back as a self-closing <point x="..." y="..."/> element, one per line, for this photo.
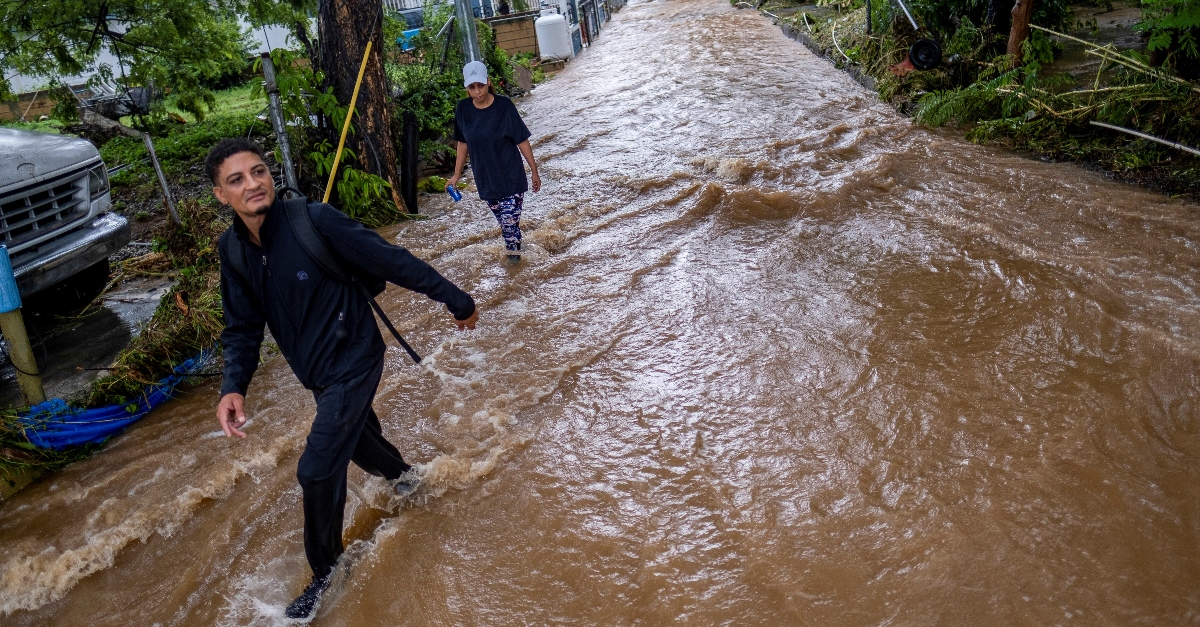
<point x="553" y="39"/>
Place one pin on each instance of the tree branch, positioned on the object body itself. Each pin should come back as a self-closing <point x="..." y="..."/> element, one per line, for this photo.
<point x="101" y="22"/>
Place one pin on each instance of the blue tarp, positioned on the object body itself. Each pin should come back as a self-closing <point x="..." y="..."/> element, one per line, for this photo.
<point x="405" y="39"/>
<point x="56" y="425"/>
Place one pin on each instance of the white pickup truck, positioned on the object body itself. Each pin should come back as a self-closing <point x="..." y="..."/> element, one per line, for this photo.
<point x="54" y="214"/>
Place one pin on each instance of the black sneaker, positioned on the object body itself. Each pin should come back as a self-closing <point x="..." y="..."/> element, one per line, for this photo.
<point x="407" y="483"/>
<point x="305" y="605"/>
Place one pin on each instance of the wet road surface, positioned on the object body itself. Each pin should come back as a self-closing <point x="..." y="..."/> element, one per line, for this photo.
<point x="777" y="356"/>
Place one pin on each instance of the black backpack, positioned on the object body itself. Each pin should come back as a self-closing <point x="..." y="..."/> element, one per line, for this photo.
<point x="301" y="223"/>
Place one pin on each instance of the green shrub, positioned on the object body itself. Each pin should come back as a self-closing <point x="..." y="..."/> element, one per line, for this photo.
<point x="1173" y="27"/>
<point x="181" y="147"/>
<point x="430" y="86"/>
<point x="314" y="115"/>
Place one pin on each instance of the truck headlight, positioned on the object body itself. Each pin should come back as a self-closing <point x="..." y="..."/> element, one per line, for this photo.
<point x="98" y="181"/>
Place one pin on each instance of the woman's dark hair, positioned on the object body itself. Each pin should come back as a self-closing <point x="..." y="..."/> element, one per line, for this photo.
<point x="225" y="149"/>
<point x="491" y="90"/>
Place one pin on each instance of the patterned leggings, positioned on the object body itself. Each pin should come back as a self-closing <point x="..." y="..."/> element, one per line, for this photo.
<point x="508" y="213"/>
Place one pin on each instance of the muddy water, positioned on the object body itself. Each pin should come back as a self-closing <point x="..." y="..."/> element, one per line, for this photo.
<point x="776" y="357"/>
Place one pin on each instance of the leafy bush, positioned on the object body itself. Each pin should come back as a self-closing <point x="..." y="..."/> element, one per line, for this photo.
<point x="314" y="115"/>
<point x="1015" y="107"/>
<point x="430" y="84"/>
<point x="525" y="60"/>
<point x="182" y="147"/>
<point x="1173" y="27"/>
<point x="944" y="16"/>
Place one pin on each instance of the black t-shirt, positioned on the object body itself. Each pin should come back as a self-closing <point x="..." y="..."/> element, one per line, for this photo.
<point x="492" y="135"/>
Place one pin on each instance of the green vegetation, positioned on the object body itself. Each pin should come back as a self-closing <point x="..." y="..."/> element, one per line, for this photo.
<point x="363" y="196"/>
<point x="526" y="60"/>
<point x="1173" y="29"/>
<point x="184" y="47"/>
<point x="188" y="318"/>
<point x="1019" y="103"/>
<point x="178" y="146"/>
<point x="430" y="85"/>
<point x="48" y="126"/>
<point x="18" y="456"/>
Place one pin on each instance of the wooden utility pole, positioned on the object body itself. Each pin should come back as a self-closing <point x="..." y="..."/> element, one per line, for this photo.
<point x="344" y="27"/>
<point x="1022" y="13"/>
<point x="12" y="325"/>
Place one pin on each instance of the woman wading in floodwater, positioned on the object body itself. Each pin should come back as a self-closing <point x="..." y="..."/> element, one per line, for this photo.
<point x="489" y="128"/>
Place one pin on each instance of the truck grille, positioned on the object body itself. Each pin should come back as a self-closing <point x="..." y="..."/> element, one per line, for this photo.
<point x="40" y="210"/>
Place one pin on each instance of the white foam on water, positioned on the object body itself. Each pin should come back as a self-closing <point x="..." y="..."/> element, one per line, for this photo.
<point x="31" y="580"/>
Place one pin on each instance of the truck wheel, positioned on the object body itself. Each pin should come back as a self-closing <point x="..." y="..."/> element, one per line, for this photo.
<point x="73" y="293"/>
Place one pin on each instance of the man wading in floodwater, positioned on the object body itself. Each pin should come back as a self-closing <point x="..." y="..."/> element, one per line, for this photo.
<point x="325" y="330"/>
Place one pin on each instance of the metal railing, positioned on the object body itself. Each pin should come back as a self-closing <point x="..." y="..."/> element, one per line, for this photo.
<point x="397" y="5"/>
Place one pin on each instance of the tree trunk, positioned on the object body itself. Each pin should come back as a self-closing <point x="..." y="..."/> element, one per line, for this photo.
<point x="343" y="29"/>
<point x="1022" y="12"/>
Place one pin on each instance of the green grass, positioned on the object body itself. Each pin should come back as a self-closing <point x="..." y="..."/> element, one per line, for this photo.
<point x="232" y="101"/>
<point x="183" y="145"/>
<point x="49" y="126"/>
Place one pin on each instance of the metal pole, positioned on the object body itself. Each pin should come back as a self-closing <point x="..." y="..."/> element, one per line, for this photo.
<point x="408" y="160"/>
<point x="162" y="179"/>
<point x="276" y="107"/>
<point x="12" y="325"/>
<point x="1165" y="142"/>
<point x="466" y="30"/>
<point x="910" y="17"/>
<point x="446" y="45"/>
<point x="442" y="30"/>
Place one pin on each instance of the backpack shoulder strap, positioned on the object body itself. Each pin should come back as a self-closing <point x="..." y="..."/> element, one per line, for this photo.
<point x="235" y="255"/>
<point x="311" y="241"/>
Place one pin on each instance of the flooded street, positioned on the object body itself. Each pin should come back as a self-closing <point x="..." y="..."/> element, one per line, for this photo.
<point x="777" y="357"/>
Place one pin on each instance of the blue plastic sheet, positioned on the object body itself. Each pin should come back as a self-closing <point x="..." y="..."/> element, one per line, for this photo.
<point x="56" y="425"/>
<point x="10" y="297"/>
<point x="405" y="39"/>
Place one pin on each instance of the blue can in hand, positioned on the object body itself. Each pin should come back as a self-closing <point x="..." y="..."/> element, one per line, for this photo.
<point x="454" y="193"/>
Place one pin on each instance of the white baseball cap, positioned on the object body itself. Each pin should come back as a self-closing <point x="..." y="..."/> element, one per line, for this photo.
<point x="474" y="72"/>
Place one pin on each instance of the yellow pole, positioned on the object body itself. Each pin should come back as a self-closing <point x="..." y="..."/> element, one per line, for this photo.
<point x="346" y="127"/>
<point x="21" y="353"/>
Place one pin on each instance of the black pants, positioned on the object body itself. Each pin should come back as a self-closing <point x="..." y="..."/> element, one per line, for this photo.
<point x="346" y="429"/>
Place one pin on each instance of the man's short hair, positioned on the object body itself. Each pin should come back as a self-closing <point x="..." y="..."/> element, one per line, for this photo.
<point x="225" y="149"/>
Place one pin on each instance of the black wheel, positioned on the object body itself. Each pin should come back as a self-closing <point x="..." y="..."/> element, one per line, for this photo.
<point x="73" y="293"/>
<point x="925" y="54"/>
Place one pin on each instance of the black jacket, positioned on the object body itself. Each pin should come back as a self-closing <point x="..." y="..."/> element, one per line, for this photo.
<point x="324" y="327"/>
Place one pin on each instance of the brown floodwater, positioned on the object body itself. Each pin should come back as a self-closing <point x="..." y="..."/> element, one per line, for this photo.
<point x="777" y="356"/>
